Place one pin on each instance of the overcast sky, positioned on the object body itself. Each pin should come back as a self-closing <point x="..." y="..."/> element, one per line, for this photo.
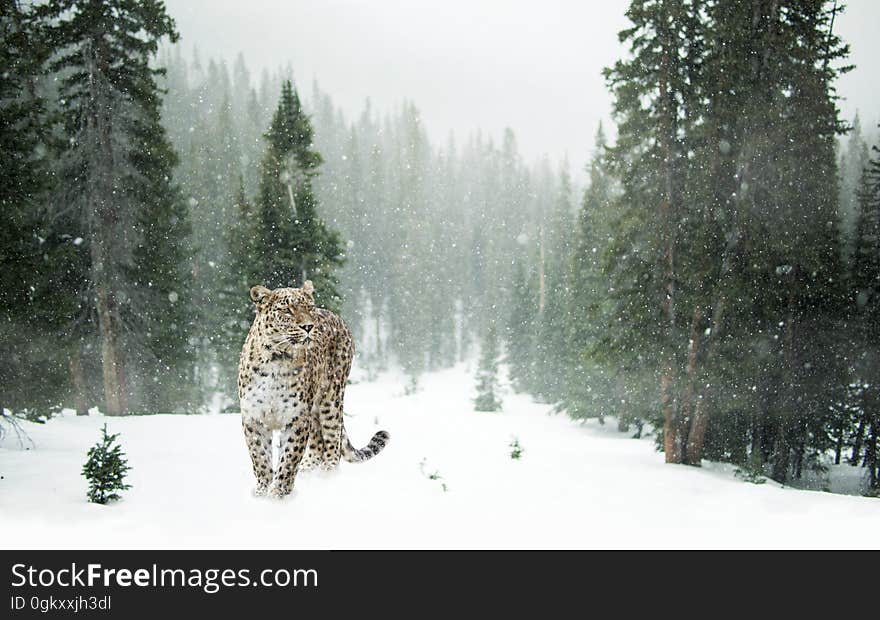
<point x="533" y="65"/>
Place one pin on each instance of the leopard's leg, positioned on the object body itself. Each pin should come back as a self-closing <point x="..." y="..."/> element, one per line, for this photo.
<point x="315" y="453"/>
<point x="294" y="437"/>
<point x="330" y="417"/>
<point x="259" y="443"/>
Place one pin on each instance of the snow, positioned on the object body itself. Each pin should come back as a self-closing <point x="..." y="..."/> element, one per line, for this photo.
<point x="576" y="486"/>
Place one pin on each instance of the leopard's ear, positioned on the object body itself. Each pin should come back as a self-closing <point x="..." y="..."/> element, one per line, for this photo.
<point x="259" y="293"/>
<point x="308" y="287"/>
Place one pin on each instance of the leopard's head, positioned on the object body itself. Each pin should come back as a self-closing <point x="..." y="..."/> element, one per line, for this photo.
<point x="286" y="316"/>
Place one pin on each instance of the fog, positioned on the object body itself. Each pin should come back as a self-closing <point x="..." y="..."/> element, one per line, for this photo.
<point x="467" y="64"/>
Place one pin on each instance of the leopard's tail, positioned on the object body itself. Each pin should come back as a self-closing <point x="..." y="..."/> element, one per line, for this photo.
<point x="350" y="454"/>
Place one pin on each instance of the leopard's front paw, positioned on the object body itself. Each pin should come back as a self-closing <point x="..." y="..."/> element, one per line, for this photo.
<point x="261" y="489"/>
<point x="279" y="491"/>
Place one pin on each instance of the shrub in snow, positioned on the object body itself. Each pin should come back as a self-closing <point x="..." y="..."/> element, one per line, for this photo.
<point x="435" y="475"/>
<point x="105" y="469"/>
<point x="752" y="471"/>
<point x="516" y="450"/>
<point x="412" y="385"/>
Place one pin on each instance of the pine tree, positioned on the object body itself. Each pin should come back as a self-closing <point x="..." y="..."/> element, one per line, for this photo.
<point x="657" y="100"/>
<point x="520" y="341"/>
<point x="105" y="469"/>
<point x="553" y="347"/>
<point x="371" y="268"/>
<point x="516" y="450"/>
<point x="293" y="244"/>
<point x="107" y="86"/>
<point x="410" y="291"/>
<point x="487" y="376"/>
<point x="590" y="372"/>
<point x="41" y="259"/>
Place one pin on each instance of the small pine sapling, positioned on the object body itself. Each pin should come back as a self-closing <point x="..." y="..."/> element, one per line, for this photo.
<point x="105" y="469"/>
<point x="516" y="450"/>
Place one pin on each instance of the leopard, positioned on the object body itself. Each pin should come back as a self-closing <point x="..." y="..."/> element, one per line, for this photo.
<point x="292" y="374"/>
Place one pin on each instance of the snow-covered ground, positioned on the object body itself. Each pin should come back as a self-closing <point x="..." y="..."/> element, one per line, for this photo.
<point x="576" y="486"/>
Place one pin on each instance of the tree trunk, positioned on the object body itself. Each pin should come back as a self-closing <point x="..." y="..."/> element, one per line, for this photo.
<point x="379" y="353"/>
<point x="667" y="406"/>
<point x="687" y="400"/>
<point x="755" y="459"/>
<point x="769" y="399"/>
<point x="697" y="434"/>
<point x="672" y="441"/>
<point x="781" y="450"/>
<point x="782" y="444"/>
<point x="541" y="283"/>
<point x="77" y="380"/>
<point x="700" y="419"/>
<point x="113" y="365"/>
<point x="872" y="428"/>
<point x="856" y="456"/>
<point x="103" y="214"/>
<point x="799" y="461"/>
<point x="871" y="456"/>
<point x="623" y="422"/>
<point x="838" y="447"/>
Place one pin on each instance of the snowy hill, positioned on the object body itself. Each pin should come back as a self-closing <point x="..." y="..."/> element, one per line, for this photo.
<point x="576" y="486"/>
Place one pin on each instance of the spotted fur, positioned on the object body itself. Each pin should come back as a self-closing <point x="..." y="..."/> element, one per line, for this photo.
<point x="291" y="380"/>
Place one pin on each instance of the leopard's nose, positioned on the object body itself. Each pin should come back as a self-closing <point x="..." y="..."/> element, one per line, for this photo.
<point x="307" y="328"/>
